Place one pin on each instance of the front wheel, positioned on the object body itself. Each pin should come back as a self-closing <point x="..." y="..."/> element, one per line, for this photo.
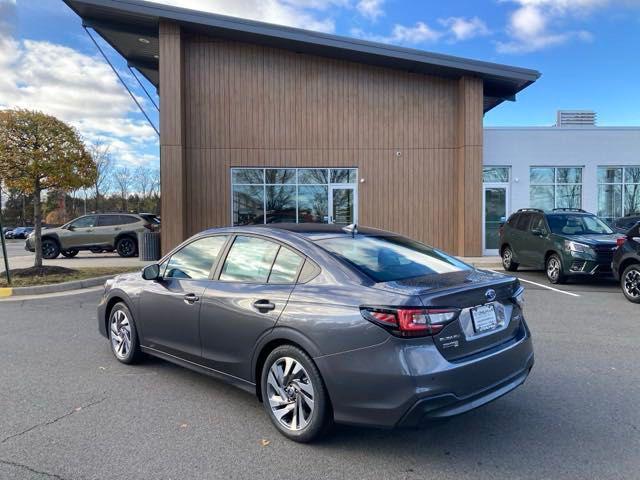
<point x="123" y="335"/>
<point x="555" y="273"/>
<point x="507" y="260"/>
<point x="50" y="249"/>
<point x="630" y="283"/>
<point x="70" y="253"/>
<point x="126" y="247"/>
<point x="294" y="395"/>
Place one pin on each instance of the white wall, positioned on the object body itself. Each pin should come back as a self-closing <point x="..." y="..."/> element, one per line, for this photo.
<point x="587" y="147"/>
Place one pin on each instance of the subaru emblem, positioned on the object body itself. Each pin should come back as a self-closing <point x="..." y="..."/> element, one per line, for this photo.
<point x="490" y="295"/>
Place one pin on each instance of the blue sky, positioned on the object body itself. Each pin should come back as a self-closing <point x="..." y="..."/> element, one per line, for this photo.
<point x="587" y="51"/>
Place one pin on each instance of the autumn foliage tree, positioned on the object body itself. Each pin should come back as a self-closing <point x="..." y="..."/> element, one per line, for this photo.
<point x="39" y="152"/>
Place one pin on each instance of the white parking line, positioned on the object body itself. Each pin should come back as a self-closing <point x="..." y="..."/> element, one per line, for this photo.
<point x="545" y="286"/>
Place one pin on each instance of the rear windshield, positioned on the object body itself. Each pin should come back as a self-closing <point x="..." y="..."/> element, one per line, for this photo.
<point x="577" y="225"/>
<point x="387" y="259"/>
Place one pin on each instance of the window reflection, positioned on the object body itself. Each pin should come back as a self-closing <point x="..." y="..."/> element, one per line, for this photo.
<point x="248" y="204"/>
<point x="249" y="260"/>
<point x="195" y="260"/>
<point x="285" y="267"/>
<point x="313" y="204"/>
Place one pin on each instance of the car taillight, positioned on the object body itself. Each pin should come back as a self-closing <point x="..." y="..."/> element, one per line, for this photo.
<point x="149" y="226"/>
<point x="620" y="241"/>
<point x="410" y="322"/>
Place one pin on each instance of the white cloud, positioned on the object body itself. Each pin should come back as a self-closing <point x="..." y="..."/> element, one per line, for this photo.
<point x="309" y="14"/>
<point x="77" y="88"/>
<point x="536" y="24"/>
<point x="465" y="28"/>
<point x="419" y="33"/>
<point x="371" y="9"/>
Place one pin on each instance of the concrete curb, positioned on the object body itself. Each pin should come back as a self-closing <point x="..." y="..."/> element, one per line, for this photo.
<point x="54" y="288"/>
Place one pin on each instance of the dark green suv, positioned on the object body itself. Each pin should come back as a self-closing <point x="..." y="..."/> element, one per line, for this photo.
<point x="565" y="242"/>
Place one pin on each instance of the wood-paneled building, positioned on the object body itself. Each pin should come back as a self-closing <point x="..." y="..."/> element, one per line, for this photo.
<point x="264" y="123"/>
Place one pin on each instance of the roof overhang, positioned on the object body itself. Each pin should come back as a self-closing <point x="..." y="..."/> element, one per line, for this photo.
<point x="131" y="28"/>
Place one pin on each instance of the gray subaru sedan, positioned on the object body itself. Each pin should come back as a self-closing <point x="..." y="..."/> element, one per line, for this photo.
<point x="326" y="324"/>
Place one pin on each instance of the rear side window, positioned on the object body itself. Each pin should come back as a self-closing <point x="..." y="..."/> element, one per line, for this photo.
<point x="108" y="220"/>
<point x="195" y="260"/>
<point x="386" y="259"/>
<point x="523" y="221"/>
<point x="249" y="260"/>
<point x="126" y="219"/>
<point x="285" y="268"/>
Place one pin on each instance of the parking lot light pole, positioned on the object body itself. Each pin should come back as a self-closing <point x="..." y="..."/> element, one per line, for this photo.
<point x="4" y="254"/>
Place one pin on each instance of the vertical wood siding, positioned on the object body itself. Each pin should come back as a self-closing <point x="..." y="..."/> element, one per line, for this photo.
<point x="247" y="105"/>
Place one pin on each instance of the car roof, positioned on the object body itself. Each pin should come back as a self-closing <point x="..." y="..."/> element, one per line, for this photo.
<point x="311" y="231"/>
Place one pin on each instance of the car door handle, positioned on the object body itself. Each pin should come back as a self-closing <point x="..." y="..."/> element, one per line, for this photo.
<point x="191" y="298"/>
<point x="263" y="306"/>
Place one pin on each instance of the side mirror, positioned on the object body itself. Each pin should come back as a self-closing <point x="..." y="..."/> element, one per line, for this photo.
<point x="71" y="228"/>
<point x="151" y="272"/>
<point x="538" y="232"/>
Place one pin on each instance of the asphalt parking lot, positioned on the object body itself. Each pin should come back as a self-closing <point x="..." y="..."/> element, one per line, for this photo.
<point x="70" y="411"/>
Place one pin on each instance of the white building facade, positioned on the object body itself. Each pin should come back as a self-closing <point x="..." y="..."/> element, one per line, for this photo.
<point x="593" y="168"/>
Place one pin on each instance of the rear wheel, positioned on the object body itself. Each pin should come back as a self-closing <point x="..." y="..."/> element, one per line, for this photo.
<point x="70" y="253"/>
<point x="294" y="395"/>
<point x="507" y="260"/>
<point x="123" y="336"/>
<point x="630" y="283"/>
<point x="126" y="247"/>
<point x="50" y="249"/>
<point x="555" y="273"/>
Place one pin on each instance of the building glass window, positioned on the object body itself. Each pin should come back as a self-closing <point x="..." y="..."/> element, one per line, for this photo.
<point x="555" y="187"/>
<point x="618" y="192"/>
<point x="495" y="174"/>
<point x="278" y="195"/>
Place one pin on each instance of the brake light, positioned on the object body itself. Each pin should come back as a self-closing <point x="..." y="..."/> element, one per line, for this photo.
<point x="620" y="241"/>
<point x="149" y="226"/>
<point x="410" y="322"/>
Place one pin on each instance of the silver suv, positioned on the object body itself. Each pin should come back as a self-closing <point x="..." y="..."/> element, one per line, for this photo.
<point x="97" y="233"/>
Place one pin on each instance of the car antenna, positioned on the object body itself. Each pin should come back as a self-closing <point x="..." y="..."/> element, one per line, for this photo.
<point x="352" y="229"/>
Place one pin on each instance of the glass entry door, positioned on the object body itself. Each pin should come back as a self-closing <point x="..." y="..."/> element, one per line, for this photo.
<point x="342" y="205"/>
<point x="495" y="201"/>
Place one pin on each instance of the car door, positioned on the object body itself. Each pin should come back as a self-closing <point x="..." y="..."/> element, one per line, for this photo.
<point x="79" y="233"/>
<point x="104" y="231"/>
<point x="518" y="244"/>
<point x="537" y="240"/>
<point x="170" y="306"/>
<point x="245" y="301"/>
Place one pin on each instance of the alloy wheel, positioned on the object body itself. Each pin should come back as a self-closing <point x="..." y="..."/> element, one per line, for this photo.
<point x="126" y="247"/>
<point x="290" y="393"/>
<point x="120" y="334"/>
<point x="553" y="268"/>
<point x="507" y="257"/>
<point x="47" y="249"/>
<point x="631" y="283"/>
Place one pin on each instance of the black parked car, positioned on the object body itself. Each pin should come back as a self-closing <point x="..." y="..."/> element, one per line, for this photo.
<point x="626" y="264"/>
<point x="325" y="324"/>
<point x="623" y="224"/>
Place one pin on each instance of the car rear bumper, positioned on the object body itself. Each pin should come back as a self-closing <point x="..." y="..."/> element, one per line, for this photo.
<point x="28" y="246"/>
<point x="404" y="382"/>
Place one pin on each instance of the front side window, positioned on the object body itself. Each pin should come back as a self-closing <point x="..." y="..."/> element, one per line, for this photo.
<point x="84" y="222"/>
<point x="538" y="224"/>
<point x="195" y="260"/>
<point x="108" y="220"/>
<point x="555" y="187"/>
<point x="292" y="195"/>
<point x="386" y="259"/>
<point x="249" y="260"/>
<point x="568" y="224"/>
<point x="618" y="192"/>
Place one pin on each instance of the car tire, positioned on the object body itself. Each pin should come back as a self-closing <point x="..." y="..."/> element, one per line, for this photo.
<point x="70" y="253"/>
<point x="50" y="249"/>
<point x="301" y="392"/>
<point x="554" y="269"/>
<point x="123" y="336"/>
<point x="507" y="260"/>
<point x="126" y="247"/>
<point x="630" y="283"/>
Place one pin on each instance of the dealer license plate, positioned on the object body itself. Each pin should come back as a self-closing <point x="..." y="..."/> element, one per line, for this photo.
<point x="484" y="318"/>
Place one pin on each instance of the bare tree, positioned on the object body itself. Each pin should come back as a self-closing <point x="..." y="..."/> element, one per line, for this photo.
<point x="143" y="178"/>
<point x="124" y="181"/>
<point x="104" y="166"/>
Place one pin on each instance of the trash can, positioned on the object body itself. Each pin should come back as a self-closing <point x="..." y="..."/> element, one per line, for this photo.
<point x="149" y="246"/>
